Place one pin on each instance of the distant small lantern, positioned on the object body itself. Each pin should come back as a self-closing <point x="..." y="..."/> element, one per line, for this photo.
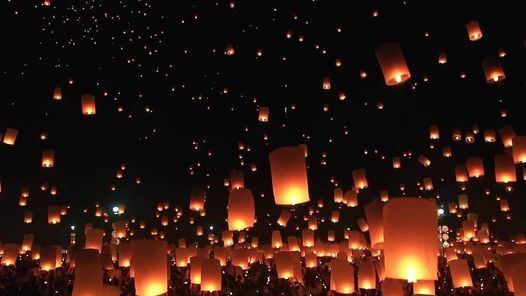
<point x="88" y="104"/>
<point x="48" y="158"/>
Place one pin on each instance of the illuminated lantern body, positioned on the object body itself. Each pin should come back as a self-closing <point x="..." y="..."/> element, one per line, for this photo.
<point x="392" y="287"/>
<point x="442" y="57"/>
<point x="507" y="134"/>
<point x="424" y="287"/>
<point x="446" y="152"/>
<point x="326" y="84"/>
<point x="519" y="149"/>
<point x="57" y="94"/>
<point x="434" y="133"/>
<point x="150" y="266"/>
<point x="335" y="216"/>
<point x="53" y="215"/>
<point x="310" y="260"/>
<point x="94" y="239"/>
<point x="195" y="270"/>
<point x="424" y="160"/>
<point x="460" y="273"/>
<point x="342" y="277"/>
<point x="374" y="215"/>
<point x="331" y="236"/>
<point x="463" y="201"/>
<point x="289" y="176"/>
<point x="355" y="242"/>
<point x="263" y="114"/>
<point x="338" y="195"/>
<point x="351" y="198"/>
<point x="241" y="209"/>
<point x="197" y="199"/>
<point x="120" y="229"/>
<point x="493" y="70"/>
<point x="504" y="206"/>
<point x="10" y="136"/>
<point x="285" y="263"/>
<point x="48" y="258"/>
<point x="396" y="162"/>
<point x="27" y="242"/>
<point x="88" y="104"/>
<point x="88" y="273"/>
<point x="360" y="179"/>
<point x="10" y="254"/>
<point x="490" y="136"/>
<point x="428" y="184"/>
<point x="125" y="254"/>
<point x="461" y="173"/>
<point x="362" y="224"/>
<point x="392" y="63"/>
<point x="474" y="31"/>
<point x="410" y="239"/>
<point x="313" y="223"/>
<point x="504" y="169"/>
<point x="237" y="180"/>
<point x="366" y="275"/>
<point x="48" y="158"/>
<point x="276" y="239"/>
<point x="210" y="275"/>
<point x="307" y="237"/>
<point x="384" y="195"/>
<point x="293" y="244"/>
<point x="284" y="218"/>
<point x="241" y="258"/>
<point x="28" y="217"/>
<point x="227" y="237"/>
<point x="475" y="167"/>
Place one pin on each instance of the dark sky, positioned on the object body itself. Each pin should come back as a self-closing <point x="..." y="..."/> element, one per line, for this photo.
<point x="169" y="57"/>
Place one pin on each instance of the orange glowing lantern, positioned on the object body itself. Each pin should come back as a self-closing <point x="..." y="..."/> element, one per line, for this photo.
<point x="442" y="57"/>
<point x="493" y="70"/>
<point x="195" y="270"/>
<point x="94" y="238"/>
<point x="424" y="287"/>
<point x="150" y="266"/>
<point x="396" y="162"/>
<point x="88" y="104"/>
<point x="360" y="179"/>
<point x="326" y="84"/>
<point x="460" y="273"/>
<point x="474" y="31"/>
<point x="366" y="275"/>
<point x="263" y="113"/>
<point x="475" y="167"/>
<point x="374" y="215"/>
<point x="342" y="277"/>
<point x="241" y="258"/>
<point x="434" y="132"/>
<point x="364" y="227"/>
<point x="53" y="215"/>
<point x="48" y="258"/>
<point x="313" y="222"/>
<point x="463" y="201"/>
<point x="338" y="195"/>
<point x="507" y="134"/>
<point x="88" y="274"/>
<point x="307" y="236"/>
<point x="210" y="275"/>
<point x="120" y="229"/>
<point x="489" y="136"/>
<point x="424" y="160"/>
<point x="392" y="287"/>
<point x="27" y="242"/>
<point x="289" y="176"/>
<point x="28" y="217"/>
<point x="197" y="199"/>
<point x="519" y="149"/>
<point x="276" y="239"/>
<point x="48" y="158"/>
<point x="284" y="218"/>
<point x="241" y="209"/>
<point x="335" y="216"/>
<point x="461" y="173"/>
<point x="284" y="262"/>
<point x="10" y="136"/>
<point x="504" y="169"/>
<point x="125" y="254"/>
<point x="351" y="198"/>
<point x="57" y="94"/>
<point x="237" y="179"/>
<point x="392" y="63"/>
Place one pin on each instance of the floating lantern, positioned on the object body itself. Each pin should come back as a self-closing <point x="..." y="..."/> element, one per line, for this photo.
<point x="504" y="169"/>
<point x="396" y="162"/>
<point x="197" y="199"/>
<point x="88" y="104"/>
<point x="374" y="215"/>
<point x="519" y="149"/>
<point x="362" y="224"/>
<point x="338" y="195"/>
<point x="366" y="275"/>
<point x="48" y="158"/>
<point x="210" y="275"/>
<point x="57" y="94"/>
<point x="284" y="262"/>
<point x="27" y="242"/>
<point x="434" y="132"/>
<point x="28" y="217"/>
<point x="335" y="216"/>
<point x="360" y="179"/>
<point x="276" y="239"/>
<point x="475" y="167"/>
<point x="53" y="215"/>
<point x="342" y="277"/>
<point x="493" y="70"/>
<point x="237" y="179"/>
<point x="289" y="176"/>
<point x="241" y="211"/>
<point x="10" y="136"/>
<point x="460" y="273"/>
<point x="392" y="63"/>
<point x="507" y="134"/>
<point x="48" y="258"/>
<point x="195" y="270"/>
<point x="351" y="198"/>
<point x="461" y="173"/>
<point x="489" y="136"/>
<point x="463" y="201"/>
<point x="263" y="114"/>
<point x="424" y="287"/>
<point x="88" y="274"/>
<point x="307" y="236"/>
<point x="423" y="160"/>
<point x="442" y="57"/>
<point x="241" y="258"/>
<point x="326" y="84"/>
<point x="284" y="218"/>
<point x="474" y="31"/>
<point x="125" y="254"/>
<point x="94" y="238"/>
<point x="313" y="223"/>
<point x="150" y="266"/>
<point x="384" y="195"/>
<point x="392" y="287"/>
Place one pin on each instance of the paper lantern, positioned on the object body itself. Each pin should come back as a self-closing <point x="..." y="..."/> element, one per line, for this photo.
<point x="460" y="273"/>
<point x="410" y="239"/>
<point x="507" y="134"/>
<point x="360" y="179"/>
<point x="366" y="275"/>
<point x="355" y="242"/>
<point x="88" y="273"/>
<point x="424" y="287"/>
<point x="504" y="169"/>
<point x="94" y="238"/>
<point x="446" y="152"/>
<point x="434" y="133"/>
<point x="461" y="173"/>
<point x="10" y="136"/>
<point x="289" y="176"/>
<point x="519" y="149"/>
<point x="237" y="179"/>
<point x="392" y="63"/>
<point x="342" y="277"/>
<point x="241" y="258"/>
<point x="442" y="57"/>
<point x="284" y="218"/>
<point x="392" y="287"/>
<point x="326" y="83"/>
<point x="474" y="31"/>
<point x="307" y="237"/>
<point x="384" y="195"/>
<point x="195" y="270"/>
<point x="229" y="50"/>
<point x="374" y="215"/>
<point x="489" y="136"/>
<point x="311" y="261"/>
<point x="424" y="160"/>
<point x="197" y="199"/>
<point x="475" y="167"/>
<point x="463" y="201"/>
<point x="335" y="216"/>
<point x="53" y="215"/>
<point x="10" y="254"/>
<point x="313" y="223"/>
<point x="150" y="266"/>
<point x="49" y="258"/>
<point x="227" y="237"/>
<point x="28" y="217"/>
<point x="27" y="242"/>
<point x="210" y="275"/>
<point x="88" y="104"/>
<point x="364" y="227"/>
<point x="125" y="254"/>
<point x="293" y="244"/>
<point x="48" y="158"/>
<point x="504" y="206"/>
<point x="241" y="211"/>
<point x="338" y="195"/>
<point x="331" y="236"/>
<point x="468" y="228"/>
<point x="493" y="70"/>
<point x="263" y="114"/>
<point x="120" y="229"/>
<point x="57" y="94"/>
<point x="428" y="184"/>
<point x="276" y="239"/>
<point x="284" y="262"/>
<point x="396" y="162"/>
<point x="351" y="198"/>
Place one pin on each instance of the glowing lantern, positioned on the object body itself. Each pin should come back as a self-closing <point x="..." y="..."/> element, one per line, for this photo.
<point x="493" y="70"/>
<point x="10" y="136"/>
<point x="460" y="273"/>
<point x="392" y="287"/>
<point x="519" y="149"/>
<point x="504" y="206"/>
<point x="241" y="258"/>
<point x="241" y="209"/>
<point x="504" y="169"/>
<point x="428" y="184"/>
<point x="28" y="217"/>
<point x="475" y="167"/>
<point x="355" y="242"/>
<point x="442" y="57"/>
<point x="331" y="235"/>
<point x="57" y="94"/>
<point x="507" y="134"/>
<point x="366" y="275"/>
<point x="384" y="195"/>
<point x="94" y="238"/>
<point x="410" y="239"/>
<point x="285" y="264"/>
<point x="335" y="216"/>
<point x="27" y="242"/>
<point x="125" y="254"/>
<point x="517" y="273"/>
<point x="307" y="236"/>
<point x="461" y="173"/>
<point x="396" y="162"/>
<point x="424" y="160"/>
<point x="351" y="198"/>
<point x="446" y="152"/>
<point x="237" y="179"/>
<point x="210" y="275"/>
<point x="88" y="104"/>
<point x="424" y="287"/>
<point x="22" y="201"/>
<point x="197" y="199"/>
<point x="276" y="239"/>
<point x="360" y="179"/>
<point x="474" y="31"/>
<point x="313" y="223"/>
<point x="293" y="244"/>
<point x="392" y="63"/>
<point x="289" y="176"/>
<point x="229" y="50"/>
<point x="227" y="237"/>
<point x="374" y="215"/>
<point x="310" y="260"/>
<point x="342" y="277"/>
<point x="53" y="215"/>
<point x="463" y="201"/>
<point x="88" y="274"/>
<point x="195" y="270"/>
<point x="284" y="218"/>
<point x="326" y="84"/>
<point x="362" y="224"/>
<point x="263" y="114"/>
<point x="120" y="229"/>
<point x="468" y="228"/>
<point x="150" y="266"/>
<point x="48" y="158"/>
<point x="434" y="133"/>
<point x="338" y="195"/>
<point x="48" y="258"/>
<point x="489" y="136"/>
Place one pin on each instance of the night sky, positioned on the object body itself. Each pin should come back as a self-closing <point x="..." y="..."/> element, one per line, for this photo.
<point x="173" y="107"/>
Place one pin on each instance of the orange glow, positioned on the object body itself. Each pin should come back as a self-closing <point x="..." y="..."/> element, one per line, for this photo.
<point x="289" y="176"/>
<point x="392" y="63"/>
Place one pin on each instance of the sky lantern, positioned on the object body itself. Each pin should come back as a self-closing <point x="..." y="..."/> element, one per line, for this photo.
<point x="88" y="104"/>
<point x="241" y="211"/>
<point x="293" y="244"/>
<point x="312" y="222"/>
<point x="88" y="274"/>
<point x="392" y="63"/>
<point x="442" y="57"/>
<point x="277" y="242"/>
<point x="228" y="237"/>
<point x="410" y="239"/>
<point x="504" y="169"/>
<point x="374" y="214"/>
<point x="366" y="275"/>
<point x="384" y="195"/>
<point x="326" y="83"/>
<point x="311" y="261"/>
<point x="504" y="206"/>
<point x="284" y="261"/>
<point x="125" y="254"/>
<point x="229" y="50"/>
<point x="493" y="70"/>
<point x="392" y="287"/>
<point x="150" y="266"/>
<point x="338" y="195"/>
<point x="351" y="198"/>
<point x="48" y="158"/>
<point x="197" y="199"/>
<point x="490" y="136"/>
<point x="506" y="134"/>
<point x="10" y="254"/>
<point x="28" y="217"/>
<point x="27" y="242"/>
<point x="210" y="275"/>
<point x="263" y="113"/>
<point x="220" y="254"/>
<point x="284" y="218"/>
<point x="360" y="179"/>
<point x="428" y="184"/>
<point x="48" y="258"/>
<point x="307" y="237"/>
<point x="463" y="201"/>
<point x="355" y="242"/>
<point x="57" y="94"/>
<point x="460" y="273"/>
<point x="10" y="136"/>
<point x="424" y="287"/>
<point x="53" y="214"/>
<point x="396" y="162"/>
<point x="237" y="180"/>
<point x="434" y="132"/>
<point x="335" y="216"/>
<point x="362" y="224"/>
<point x="468" y="228"/>
<point x="289" y="176"/>
<point x="241" y="258"/>
<point x="446" y="152"/>
<point x="461" y="173"/>
<point x="120" y="228"/>
<point x="423" y="160"/>
<point x="342" y="277"/>
<point x="475" y="166"/>
<point x="331" y="235"/>
<point x="519" y="149"/>
<point x="94" y="238"/>
<point x="474" y="31"/>
<point x="195" y="270"/>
